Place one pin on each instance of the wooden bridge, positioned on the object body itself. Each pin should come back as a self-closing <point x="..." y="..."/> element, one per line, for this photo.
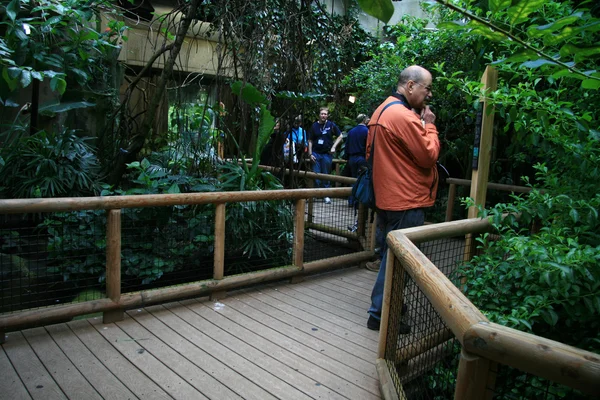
<point x="256" y="334"/>
<point x="278" y="341"/>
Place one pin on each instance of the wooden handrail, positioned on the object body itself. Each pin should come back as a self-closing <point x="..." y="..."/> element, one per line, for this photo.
<point x="61" y="204"/>
<point x="546" y="358"/>
<point x="310" y="175"/>
<point x="490" y="185"/>
<point x="461" y="227"/>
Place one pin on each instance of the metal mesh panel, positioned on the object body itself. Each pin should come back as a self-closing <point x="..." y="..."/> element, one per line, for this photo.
<point x="259" y="235"/>
<point x="329" y="229"/>
<point x="48" y="259"/>
<point x="513" y="384"/>
<point x="422" y="362"/>
<point x="164" y="246"/>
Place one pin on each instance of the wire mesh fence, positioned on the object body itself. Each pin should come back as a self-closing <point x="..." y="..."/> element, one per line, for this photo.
<point x="259" y="235"/>
<point x="163" y="246"/>
<point x="331" y="229"/>
<point x="421" y="352"/>
<point x="58" y="258"/>
<point x="48" y="259"/>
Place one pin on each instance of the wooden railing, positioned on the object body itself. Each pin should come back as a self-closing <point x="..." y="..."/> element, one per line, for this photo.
<point x="483" y="342"/>
<point x="453" y="183"/>
<point x="115" y="302"/>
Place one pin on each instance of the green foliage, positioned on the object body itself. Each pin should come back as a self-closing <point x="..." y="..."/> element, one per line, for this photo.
<point x="48" y="165"/>
<point x="54" y="41"/>
<point x="266" y="123"/>
<point x="548" y="35"/>
<point x="290" y="47"/>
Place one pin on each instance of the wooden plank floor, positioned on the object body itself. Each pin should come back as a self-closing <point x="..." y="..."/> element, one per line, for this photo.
<point x="278" y="341"/>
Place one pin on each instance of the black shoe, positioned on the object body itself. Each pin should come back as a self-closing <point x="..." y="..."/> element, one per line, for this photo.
<point x="373" y="324"/>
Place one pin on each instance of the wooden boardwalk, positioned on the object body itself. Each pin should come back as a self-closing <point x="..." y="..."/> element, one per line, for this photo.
<point x="279" y="341"/>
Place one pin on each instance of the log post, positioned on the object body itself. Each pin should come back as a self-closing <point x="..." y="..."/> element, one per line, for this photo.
<point x="481" y="153"/>
<point x="298" y="253"/>
<point x="219" y="256"/>
<point x="392" y="264"/>
<point x="113" y="265"/>
<point x="472" y="377"/>
<point x="451" y="199"/>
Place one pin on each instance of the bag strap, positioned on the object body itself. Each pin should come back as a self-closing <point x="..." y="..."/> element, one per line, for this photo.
<point x="372" y="152"/>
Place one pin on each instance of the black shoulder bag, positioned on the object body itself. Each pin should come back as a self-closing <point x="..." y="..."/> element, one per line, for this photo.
<point x="362" y="190"/>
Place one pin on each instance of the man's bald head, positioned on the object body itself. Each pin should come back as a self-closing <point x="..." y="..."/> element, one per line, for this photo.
<point x="415" y="84"/>
<point x="413" y="73"/>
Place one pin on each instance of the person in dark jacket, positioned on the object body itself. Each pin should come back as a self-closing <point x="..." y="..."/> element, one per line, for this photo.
<point x="320" y="143"/>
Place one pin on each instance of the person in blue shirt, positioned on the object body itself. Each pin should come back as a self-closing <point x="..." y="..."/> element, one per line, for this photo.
<point x="320" y="146"/>
<point x="298" y="135"/>
<point x="298" y="141"/>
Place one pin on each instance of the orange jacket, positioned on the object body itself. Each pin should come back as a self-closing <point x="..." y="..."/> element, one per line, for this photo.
<point x="404" y="168"/>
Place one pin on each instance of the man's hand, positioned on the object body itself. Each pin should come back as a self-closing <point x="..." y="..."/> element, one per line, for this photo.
<point x="427" y="115"/>
<point x="313" y="158"/>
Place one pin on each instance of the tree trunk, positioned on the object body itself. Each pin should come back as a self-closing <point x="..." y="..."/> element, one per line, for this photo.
<point x="137" y="142"/>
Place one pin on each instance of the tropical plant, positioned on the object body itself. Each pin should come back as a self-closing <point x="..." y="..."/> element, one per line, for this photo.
<point x="48" y="164"/>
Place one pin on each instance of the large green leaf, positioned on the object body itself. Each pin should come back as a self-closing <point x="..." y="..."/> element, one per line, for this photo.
<point x="13" y="9"/>
<point x="581" y="53"/>
<point x="58" y="84"/>
<point x="25" y="78"/>
<point x="537" y="63"/>
<point x="521" y="56"/>
<point x="485" y="31"/>
<point x="66" y="106"/>
<point x="541" y="30"/>
<point x="570" y="32"/>
<point x="248" y="93"/>
<point x="519" y="13"/>
<point x="265" y="128"/>
<point x="380" y="9"/>
<point x="499" y="5"/>
<point x="10" y="81"/>
<point x="451" y="25"/>
<point x="267" y="123"/>
<point x="591" y="84"/>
